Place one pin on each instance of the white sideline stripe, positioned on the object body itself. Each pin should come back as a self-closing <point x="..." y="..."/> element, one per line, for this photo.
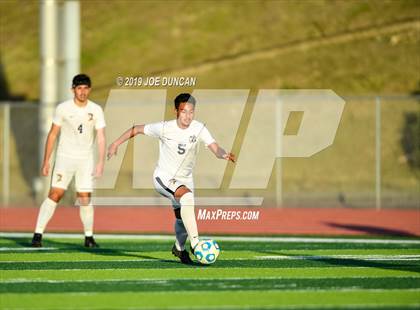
<point x="318" y="240"/>
<point x="271" y="257"/>
<point x="166" y="280"/>
<point x="222" y="238"/>
<point x="161" y="201"/>
<point x="270" y="307"/>
<point x="355" y="306"/>
<point x="356" y="256"/>
<point x="333" y="306"/>
<point x="82" y="261"/>
<point x="125" y="269"/>
<point x="27" y="249"/>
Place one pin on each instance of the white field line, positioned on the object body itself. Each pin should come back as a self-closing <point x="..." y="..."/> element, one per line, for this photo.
<point x="222" y="238"/>
<point x="355" y="306"/>
<point x="127" y="269"/>
<point x="358" y="257"/>
<point x="26" y="249"/>
<point x="246" y="307"/>
<point x="85" y="261"/>
<point x="219" y="269"/>
<point x="318" y="240"/>
<point x="321" y="290"/>
<point x="165" y="280"/>
<point x="270" y="257"/>
<point x="131" y="269"/>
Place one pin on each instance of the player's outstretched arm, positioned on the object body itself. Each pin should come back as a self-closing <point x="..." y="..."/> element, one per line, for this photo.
<point x="49" y="146"/>
<point x="133" y="131"/>
<point x="221" y="153"/>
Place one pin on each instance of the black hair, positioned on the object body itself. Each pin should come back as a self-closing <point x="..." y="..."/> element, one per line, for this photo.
<point x="184" y="97"/>
<point x="81" y="79"/>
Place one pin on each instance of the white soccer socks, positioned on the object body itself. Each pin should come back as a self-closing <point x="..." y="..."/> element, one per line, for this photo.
<point x="188" y="217"/>
<point x="86" y="215"/>
<point x="47" y="210"/>
<point x="181" y="235"/>
<point x="45" y="213"/>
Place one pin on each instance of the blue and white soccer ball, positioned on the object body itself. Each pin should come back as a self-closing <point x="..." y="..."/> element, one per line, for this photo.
<point x="206" y="251"/>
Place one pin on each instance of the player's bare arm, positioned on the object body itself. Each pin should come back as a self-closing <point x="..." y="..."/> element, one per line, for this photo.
<point x="100" y="136"/>
<point x="130" y="133"/>
<point x="220" y="152"/>
<point x="49" y="146"/>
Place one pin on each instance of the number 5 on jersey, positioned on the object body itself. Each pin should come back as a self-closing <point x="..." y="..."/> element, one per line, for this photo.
<point x="181" y="149"/>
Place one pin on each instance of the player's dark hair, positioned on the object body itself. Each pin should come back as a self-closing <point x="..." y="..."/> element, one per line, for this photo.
<point x="81" y="79"/>
<point x="184" y="97"/>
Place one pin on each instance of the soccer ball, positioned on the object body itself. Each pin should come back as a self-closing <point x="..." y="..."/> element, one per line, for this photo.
<point x="206" y="251"/>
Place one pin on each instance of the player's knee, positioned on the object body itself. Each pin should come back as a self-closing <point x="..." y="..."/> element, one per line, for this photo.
<point x="56" y="194"/>
<point x="181" y="191"/>
<point x="84" y="200"/>
<point x="178" y="213"/>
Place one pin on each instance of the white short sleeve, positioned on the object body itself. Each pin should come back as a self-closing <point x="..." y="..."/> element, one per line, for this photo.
<point x="154" y="129"/>
<point x="206" y="137"/>
<point x="100" y="119"/>
<point x="58" y="115"/>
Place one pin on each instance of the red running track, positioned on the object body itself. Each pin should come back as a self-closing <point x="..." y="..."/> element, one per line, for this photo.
<point x="271" y="221"/>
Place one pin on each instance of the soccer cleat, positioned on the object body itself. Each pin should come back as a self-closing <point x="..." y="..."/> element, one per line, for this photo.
<point x="90" y="243"/>
<point x="182" y="255"/>
<point x="37" y="241"/>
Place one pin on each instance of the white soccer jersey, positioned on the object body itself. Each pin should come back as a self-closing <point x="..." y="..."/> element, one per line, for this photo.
<point x="178" y="147"/>
<point x="77" y="128"/>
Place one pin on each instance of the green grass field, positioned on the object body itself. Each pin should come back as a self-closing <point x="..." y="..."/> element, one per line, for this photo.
<point x="140" y="273"/>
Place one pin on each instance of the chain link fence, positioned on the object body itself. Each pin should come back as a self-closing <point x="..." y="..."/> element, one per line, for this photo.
<point x="372" y="163"/>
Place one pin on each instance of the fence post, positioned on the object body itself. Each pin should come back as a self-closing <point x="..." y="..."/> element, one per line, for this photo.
<point x="6" y="154"/>
<point x="378" y="154"/>
<point x="279" y="148"/>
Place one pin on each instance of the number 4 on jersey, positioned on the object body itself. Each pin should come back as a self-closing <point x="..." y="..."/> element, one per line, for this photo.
<point x="80" y="128"/>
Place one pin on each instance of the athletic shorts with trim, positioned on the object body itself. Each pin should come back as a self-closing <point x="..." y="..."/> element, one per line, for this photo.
<point x="167" y="186"/>
<point x="66" y="167"/>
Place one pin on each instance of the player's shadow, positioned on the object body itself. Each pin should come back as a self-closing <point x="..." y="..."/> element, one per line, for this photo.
<point x="51" y="246"/>
<point x="372" y="230"/>
<point x="325" y="261"/>
<point x="75" y="247"/>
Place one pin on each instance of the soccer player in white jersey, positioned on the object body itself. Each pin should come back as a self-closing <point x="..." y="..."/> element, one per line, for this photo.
<point x="75" y="121"/>
<point x="173" y="176"/>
